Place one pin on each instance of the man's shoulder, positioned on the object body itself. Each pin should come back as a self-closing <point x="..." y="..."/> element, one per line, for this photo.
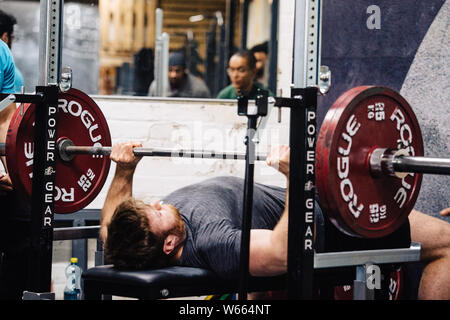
<point x="7" y="73"/>
<point x="227" y="93"/>
<point x="152" y="89"/>
<point x="194" y="79"/>
<point x="198" y="86"/>
<point x="5" y="53"/>
<point x="3" y="46"/>
<point x="261" y="86"/>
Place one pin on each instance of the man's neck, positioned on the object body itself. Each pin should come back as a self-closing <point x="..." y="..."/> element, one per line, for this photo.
<point x="247" y="91"/>
<point x="177" y="256"/>
<point x="180" y="84"/>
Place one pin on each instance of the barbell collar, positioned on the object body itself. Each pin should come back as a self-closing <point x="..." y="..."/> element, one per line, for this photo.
<point x="399" y="163"/>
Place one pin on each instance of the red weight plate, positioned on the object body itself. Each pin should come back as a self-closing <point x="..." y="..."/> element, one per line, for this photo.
<point x="361" y="120"/>
<point x="78" y="181"/>
<point x="343" y="292"/>
<point x="395" y="288"/>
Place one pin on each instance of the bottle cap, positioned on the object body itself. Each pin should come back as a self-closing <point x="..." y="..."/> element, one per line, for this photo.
<point x="74" y="260"/>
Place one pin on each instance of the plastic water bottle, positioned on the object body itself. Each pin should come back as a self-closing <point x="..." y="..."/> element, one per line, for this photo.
<point x="72" y="290"/>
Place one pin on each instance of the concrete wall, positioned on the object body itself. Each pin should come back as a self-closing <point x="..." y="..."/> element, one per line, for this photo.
<point x="427" y="88"/>
<point x="404" y="47"/>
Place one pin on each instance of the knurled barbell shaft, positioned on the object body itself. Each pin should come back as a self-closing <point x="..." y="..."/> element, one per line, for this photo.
<point x="67" y="150"/>
<point x="154" y="152"/>
<point x="421" y="165"/>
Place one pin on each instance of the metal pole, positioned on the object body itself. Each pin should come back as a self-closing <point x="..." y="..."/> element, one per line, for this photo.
<point x="301" y="194"/>
<point x="301" y="190"/>
<point x="229" y="33"/>
<point x="41" y="226"/>
<point x="221" y="79"/>
<point x="244" y="23"/>
<point x="50" y="41"/>
<point x="247" y="208"/>
<point x="161" y="62"/>
<point x="273" y="47"/>
<point x="307" y="43"/>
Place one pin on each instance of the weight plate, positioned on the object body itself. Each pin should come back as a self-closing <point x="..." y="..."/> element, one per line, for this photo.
<point x="361" y="120"/>
<point x="78" y="181"/>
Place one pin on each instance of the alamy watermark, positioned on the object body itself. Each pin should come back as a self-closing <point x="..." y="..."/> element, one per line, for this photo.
<point x="373" y="21"/>
<point x="373" y="277"/>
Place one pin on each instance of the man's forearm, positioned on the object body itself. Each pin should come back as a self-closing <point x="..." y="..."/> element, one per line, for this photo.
<point x="120" y="189"/>
<point x="280" y="232"/>
<point x="5" y="119"/>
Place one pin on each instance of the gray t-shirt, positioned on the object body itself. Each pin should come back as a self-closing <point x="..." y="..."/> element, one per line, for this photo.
<point x="212" y="211"/>
<point x="191" y="87"/>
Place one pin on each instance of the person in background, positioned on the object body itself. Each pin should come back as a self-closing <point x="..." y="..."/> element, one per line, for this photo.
<point x="242" y="71"/>
<point x="7" y="75"/>
<point x="181" y="82"/>
<point x="261" y="52"/>
<point x="7" y="23"/>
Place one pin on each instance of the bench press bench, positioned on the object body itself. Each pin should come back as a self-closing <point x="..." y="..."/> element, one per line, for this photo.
<point x="181" y="281"/>
<point x="169" y="282"/>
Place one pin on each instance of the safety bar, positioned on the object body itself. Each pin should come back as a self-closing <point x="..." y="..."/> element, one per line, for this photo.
<point x="72" y="233"/>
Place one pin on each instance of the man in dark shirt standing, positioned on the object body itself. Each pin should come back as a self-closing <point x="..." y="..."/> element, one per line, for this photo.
<point x="181" y="82"/>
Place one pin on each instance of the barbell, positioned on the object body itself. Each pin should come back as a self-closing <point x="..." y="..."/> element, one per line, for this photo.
<point x="382" y="161"/>
<point x="368" y="152"/>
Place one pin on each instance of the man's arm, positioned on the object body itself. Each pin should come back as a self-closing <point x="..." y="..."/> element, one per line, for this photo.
<point x="268" y="248"/>
<point x="7" y="75"/>
<point x="122" y="184"/>
<point x="7" y="69"/>
<point x="5" y="118"/>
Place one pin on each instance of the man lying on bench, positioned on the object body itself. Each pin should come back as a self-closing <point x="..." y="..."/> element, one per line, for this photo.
<point x="199" y="226"/>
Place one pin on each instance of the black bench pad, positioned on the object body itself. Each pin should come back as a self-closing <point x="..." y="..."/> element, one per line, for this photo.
<point x="170" y="282"/>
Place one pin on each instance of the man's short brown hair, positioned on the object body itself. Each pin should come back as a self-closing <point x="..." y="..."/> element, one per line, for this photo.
<point x="130" y="244"/>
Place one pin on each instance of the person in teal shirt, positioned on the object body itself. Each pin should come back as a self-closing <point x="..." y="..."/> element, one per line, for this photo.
<point x="7" y="23"/>
<point x="7" y="69"/>
<point x="18" y="80"/>
<point x="242" y="72"/>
